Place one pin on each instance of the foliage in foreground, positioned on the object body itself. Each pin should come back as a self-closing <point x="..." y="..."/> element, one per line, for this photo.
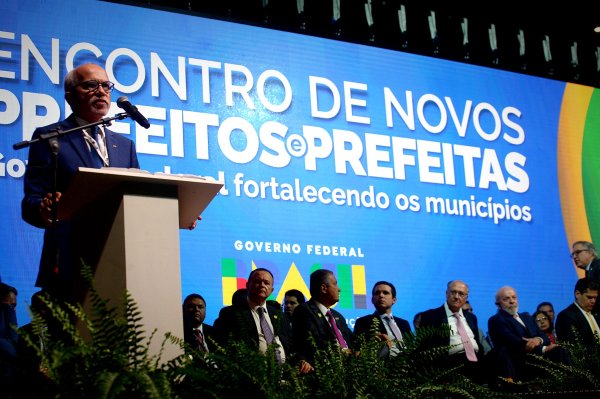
<point x="115" y="363"/>
<point x="583" y="374"/>
<point x="102" y="356"/>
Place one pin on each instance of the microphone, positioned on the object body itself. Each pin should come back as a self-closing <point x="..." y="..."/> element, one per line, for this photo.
<point x="123" y="103"/>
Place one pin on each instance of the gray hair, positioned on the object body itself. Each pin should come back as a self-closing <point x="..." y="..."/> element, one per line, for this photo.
<point x="589" y="246"/>
<point x="71" y="80"/>
<point x="500" y="291"/>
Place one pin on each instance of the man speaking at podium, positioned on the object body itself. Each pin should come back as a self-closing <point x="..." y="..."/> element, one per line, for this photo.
<point x="87" y="90"/>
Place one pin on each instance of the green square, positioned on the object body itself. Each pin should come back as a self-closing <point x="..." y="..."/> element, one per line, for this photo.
<point x="344" y="277"/>
<point x="228" y="268"/>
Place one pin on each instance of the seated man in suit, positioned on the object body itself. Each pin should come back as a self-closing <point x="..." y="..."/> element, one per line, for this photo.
<point x="316" y="319"/>
<point x="253" y="321"/>
<point x="291" y="299"/>
<point x="196" y="333"/>
<point x="87" y="90"/>
<point x="514" y="335"/>
<point x="463" y="338"/>
<point x="578" y="322"/>
<point x="390" y="328"/>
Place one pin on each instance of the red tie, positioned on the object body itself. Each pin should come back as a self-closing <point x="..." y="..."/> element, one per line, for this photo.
<point x="200" y="339"/>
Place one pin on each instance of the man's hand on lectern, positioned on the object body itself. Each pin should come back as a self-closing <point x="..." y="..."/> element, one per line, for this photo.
<point x="193" y="225"/>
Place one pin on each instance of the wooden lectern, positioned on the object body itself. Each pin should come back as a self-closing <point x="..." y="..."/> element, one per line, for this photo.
<point x="132" y="219"/>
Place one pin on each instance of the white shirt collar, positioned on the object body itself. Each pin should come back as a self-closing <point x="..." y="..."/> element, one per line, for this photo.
<point x="449" y="312"/>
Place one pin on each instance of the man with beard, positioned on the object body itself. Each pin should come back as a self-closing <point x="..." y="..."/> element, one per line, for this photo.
<point x="514" y="335"/>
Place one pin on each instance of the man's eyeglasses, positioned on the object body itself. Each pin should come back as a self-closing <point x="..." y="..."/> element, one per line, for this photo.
<point x="92" y="85"/>
<point x="541" y="319"/>
<point x="459" y="293"/>
<point x="575" y="253"/>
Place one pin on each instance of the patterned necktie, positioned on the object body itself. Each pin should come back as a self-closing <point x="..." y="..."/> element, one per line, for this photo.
<point x="592" y="323"/>
<point x="200" y="339"/>
<point x="265" y="326"/>
<point x="393" y="327"/>
<point x="336" y="330"/>
<point x="95" y="151"/>
<point x="464" y="337"/>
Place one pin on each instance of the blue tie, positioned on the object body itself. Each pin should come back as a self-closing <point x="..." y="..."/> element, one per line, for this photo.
<point x="96" y="160"/>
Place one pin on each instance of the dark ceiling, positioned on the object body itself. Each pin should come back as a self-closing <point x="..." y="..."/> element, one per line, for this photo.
<point x="563" y="24"/>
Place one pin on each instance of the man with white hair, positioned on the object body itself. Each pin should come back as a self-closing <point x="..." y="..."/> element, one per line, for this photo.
<point x="585" y="256"/>
<point x="461" y="331"/>
<point x="514" y="335"/>
<point x="88" y="92"/>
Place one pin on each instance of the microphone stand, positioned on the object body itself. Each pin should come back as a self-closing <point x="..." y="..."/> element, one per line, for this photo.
<point x="57" y="133"/>
<point x="51" y="138"/>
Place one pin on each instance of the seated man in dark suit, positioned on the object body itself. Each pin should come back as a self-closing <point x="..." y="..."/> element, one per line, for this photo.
<point x="253" y="321"/>
<point x="390" y="328"/>
<point x="514" y="335"/>
<point x="578" y="322"/>
<point x="316" y="319"/>
<point x="291" y="300"/>
<point x="196" y="333"/>
<point x="462" y="337"/>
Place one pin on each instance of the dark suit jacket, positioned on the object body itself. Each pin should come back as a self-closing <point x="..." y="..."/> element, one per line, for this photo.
<point x="237" y="323"/>
<point x="308" y="321"/>
<point x="505" y="331"/>
<point x="509" y="353"/>
<point x="571" y="323"/>
<point x="594" y="275"/>
<point x="594" y="272"/>
<point x="31" y="380"/>
<point x="437" y="318"/>
<point x="363" y="325"/>
<point x="286" y="333"/>
<point x="8" y="336"/>
<point x="38" y="181"/>
<point x="190" y="338"/>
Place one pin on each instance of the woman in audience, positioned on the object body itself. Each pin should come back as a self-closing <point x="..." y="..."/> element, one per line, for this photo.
<point x="545" y="324"/>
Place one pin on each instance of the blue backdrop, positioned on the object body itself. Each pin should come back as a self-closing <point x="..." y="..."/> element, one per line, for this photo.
<point x="377" y="164"/>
